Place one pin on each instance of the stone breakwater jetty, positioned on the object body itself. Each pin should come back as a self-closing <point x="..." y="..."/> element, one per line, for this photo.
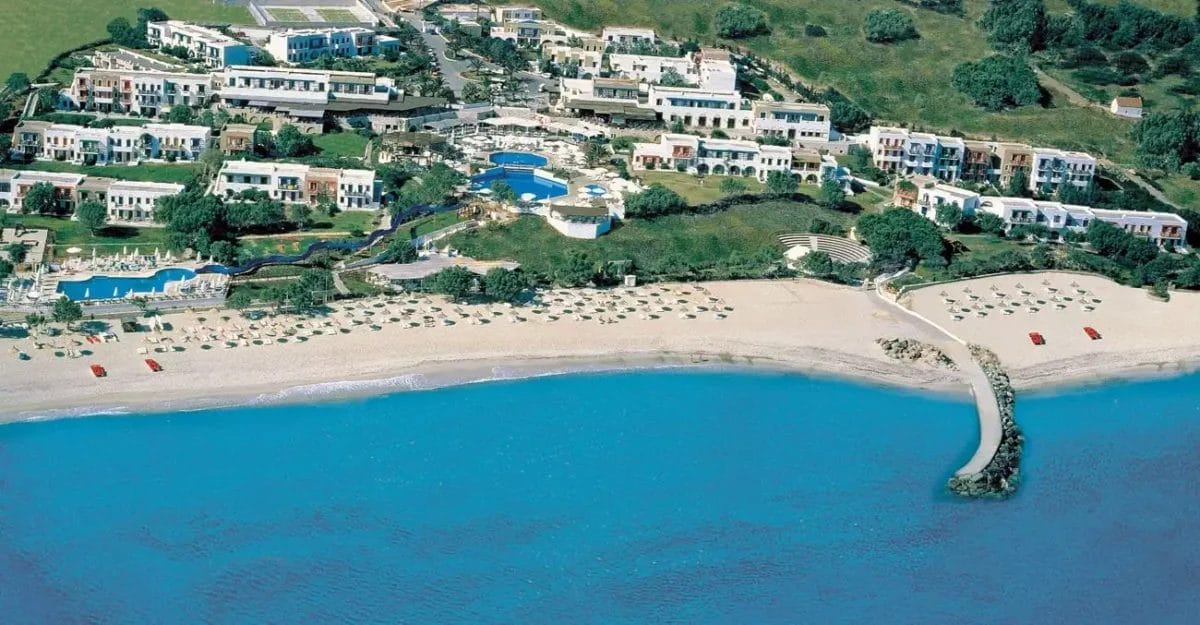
<point x="910" y="350"/>
<point x="999" y="477"/>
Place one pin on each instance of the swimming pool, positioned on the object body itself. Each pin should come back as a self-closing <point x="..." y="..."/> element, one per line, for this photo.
<point x="108" y="287"/>
<point x="524" y="159"/>
<point x="523" y="182"/>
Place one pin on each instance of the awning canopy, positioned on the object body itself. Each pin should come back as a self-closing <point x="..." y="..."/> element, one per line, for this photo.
<point x="512" y="121"/>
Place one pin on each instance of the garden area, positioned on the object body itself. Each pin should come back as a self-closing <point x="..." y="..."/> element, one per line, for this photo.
<point x="739" y="242"/>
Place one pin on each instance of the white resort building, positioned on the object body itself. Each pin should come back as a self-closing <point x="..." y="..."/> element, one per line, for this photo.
<point x="627" y="35"/>
<point x="293" y="183"/>
<point x="134" y="202"/>
<point x="140" y="92"/>
<point x="719" y="157"/>
<point x="711" y="103"/>
<point x="951" y="159"/>
<point x="213" y="47"/>
<point x="924" y="194"/>
<point x="116" y="145"/>
<point x="301" y="46"/>
<point x="126" y="201"/>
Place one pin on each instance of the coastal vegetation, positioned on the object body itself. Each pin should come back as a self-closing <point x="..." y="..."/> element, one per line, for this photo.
<point x="889" y="26"/>
<point x="739" y="241"/>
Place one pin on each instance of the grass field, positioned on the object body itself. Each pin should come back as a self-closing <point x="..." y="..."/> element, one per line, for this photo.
<point x="338" y="15"/>
<point x="906" y="83"/>
<point x="31" y="37"/>
<point x="153" y="172"/>
<point x="287" y="15"/>
<point x="693" y="239"/>
<point x="694" y="189"/>
<point x="349" y="144"/>
<point x="110" y="240"/>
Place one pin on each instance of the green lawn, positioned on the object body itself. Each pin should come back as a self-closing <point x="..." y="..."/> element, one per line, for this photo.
<point x="1181" y="190"/>
<point x="110" y="240"/>
<point x="152" y="172"/>
<point x="287" y="15"/>
<point x="44" y="29"/>
<point x="693" y="239"/>
<point x="346" y="221"/>
<point x="694" y="189"/>
<point x="338" y="15"/>
<point x="349" y="144"/>
<point x="905" y="83"/>
<point x="431" y="223"/>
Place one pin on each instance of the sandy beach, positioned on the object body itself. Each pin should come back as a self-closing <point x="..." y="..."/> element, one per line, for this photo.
<point x="802" y="325"/>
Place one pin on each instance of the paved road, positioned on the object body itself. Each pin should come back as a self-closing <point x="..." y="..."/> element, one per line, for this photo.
<point x="454" y="68"/>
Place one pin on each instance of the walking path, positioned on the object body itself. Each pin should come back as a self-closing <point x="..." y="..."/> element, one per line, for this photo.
<point x="991" y="427"/>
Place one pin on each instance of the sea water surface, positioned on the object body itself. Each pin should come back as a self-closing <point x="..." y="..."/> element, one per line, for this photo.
<point x="649" y="497"/>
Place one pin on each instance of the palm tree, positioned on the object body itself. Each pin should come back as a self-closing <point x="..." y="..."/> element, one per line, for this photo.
<point x="35" y="322"/>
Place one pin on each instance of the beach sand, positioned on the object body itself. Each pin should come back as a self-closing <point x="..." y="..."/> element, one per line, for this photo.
<point x="800" y="325"/>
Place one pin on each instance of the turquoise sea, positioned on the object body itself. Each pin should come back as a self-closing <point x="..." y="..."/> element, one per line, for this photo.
<point x="646" y="497"/>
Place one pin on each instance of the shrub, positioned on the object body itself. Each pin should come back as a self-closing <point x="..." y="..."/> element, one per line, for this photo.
<point x="735" y="21"/>
<point x="890" y="26"/>
<point x="814" y="30"/>
<point x="998" y="82"/>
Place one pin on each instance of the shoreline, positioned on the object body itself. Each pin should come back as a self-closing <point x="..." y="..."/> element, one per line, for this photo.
<point x="436" y="375"/>
<point x="785" y="326"/>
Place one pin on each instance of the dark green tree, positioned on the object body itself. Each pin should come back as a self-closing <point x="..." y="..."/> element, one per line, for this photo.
<point x="93" y="215"/>
<point x="66" y="311"/>
<point x="890" y="26"/>
<point x="998" y="82"/>
<point x="41" y="199"/>
<point x="735" y="21"/>
<point x="832" y="195"/>
<point x="503" y="285"/>
<point x="655" y="200"/>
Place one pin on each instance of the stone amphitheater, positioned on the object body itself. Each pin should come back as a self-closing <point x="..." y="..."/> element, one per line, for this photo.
<point x="839" y="248"/>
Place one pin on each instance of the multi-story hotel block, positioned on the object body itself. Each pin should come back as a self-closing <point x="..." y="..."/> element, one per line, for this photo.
<point x="623" y="35"/>
<point x="115" y="145"/>
<point x="142" y="92"/>
<point x="712" y="101"/>
<point x="924" y="194"/>
<point x="212" y="47"/>
<point x="275" y="86"/>
<point x="126" y="201"/>
<point x="307" y="95"/>
<point x="907" y="153"/>
<point x="15" y="184"/>
<point x="1054" y="168"/>
<point x="302" y="46"/>
<point x="124" y="58"/>
<point x="516" y="14"/>
<point x="588" y="61"/>
<point x="292" y="183"/>
<point x="465" y="13"/>
<point x="798" y="121"/>
<point x="719" y="157"/>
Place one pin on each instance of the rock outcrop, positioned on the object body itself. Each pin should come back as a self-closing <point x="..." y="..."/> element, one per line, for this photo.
<point x="999" y="478"/>
<point x="909" y="350"/>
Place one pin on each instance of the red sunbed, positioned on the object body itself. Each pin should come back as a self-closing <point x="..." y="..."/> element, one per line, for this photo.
<point x="98" y="371"/>
<point x="1037" y="338"/>
<point x="1091" y="332"/>
<point x="153" y="364"/>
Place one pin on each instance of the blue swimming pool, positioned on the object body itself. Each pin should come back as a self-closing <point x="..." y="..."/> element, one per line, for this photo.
<point x="108" y="287"/>
<point x="522" y="181"/>
<point x="525" y="159"/>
